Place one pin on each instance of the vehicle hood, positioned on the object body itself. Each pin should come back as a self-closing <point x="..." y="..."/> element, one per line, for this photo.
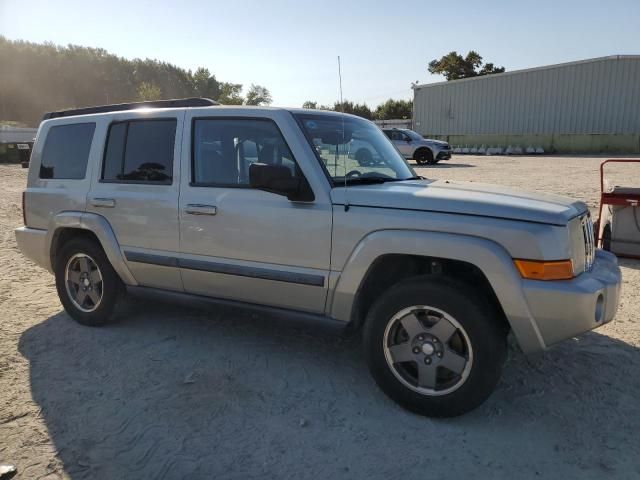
<point x="440" y="143"/>
<point x="468" y="198"/>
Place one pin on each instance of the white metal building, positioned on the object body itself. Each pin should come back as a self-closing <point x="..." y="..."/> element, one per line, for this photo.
<point x="588" y="105"/>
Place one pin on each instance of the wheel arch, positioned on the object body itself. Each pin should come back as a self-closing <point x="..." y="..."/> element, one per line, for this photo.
<point x="67" y="225"/>
<point x="388" y="270"/>
<point x="395" y="255"/>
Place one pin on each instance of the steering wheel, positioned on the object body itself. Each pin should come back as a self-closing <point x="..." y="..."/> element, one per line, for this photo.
<point x="354" y="173"/>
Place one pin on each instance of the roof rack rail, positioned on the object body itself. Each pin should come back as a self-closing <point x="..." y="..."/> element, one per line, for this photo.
<point x="118" y="107"/>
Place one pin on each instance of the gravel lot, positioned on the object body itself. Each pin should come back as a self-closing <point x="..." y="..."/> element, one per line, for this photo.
<point x="170" y="392"/>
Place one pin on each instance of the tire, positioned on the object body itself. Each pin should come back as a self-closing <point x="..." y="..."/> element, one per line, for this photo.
<point x="463" y="386"/>
<point x="102" y="290"/>
<point x="606" y="238"/>
<point x="424" y="156"/>
<point x="364" y="157"/>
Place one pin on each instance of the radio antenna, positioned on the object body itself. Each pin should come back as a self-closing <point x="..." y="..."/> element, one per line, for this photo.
<point x="344" y="162"/>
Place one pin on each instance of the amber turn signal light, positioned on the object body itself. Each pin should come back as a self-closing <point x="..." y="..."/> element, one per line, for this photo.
<point x="540" y="270"/>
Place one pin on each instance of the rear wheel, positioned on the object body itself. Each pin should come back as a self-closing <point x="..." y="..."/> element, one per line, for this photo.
<point x="88" y="286"/>
<point x="434" y="346"/>
<point x="424" y="156"/>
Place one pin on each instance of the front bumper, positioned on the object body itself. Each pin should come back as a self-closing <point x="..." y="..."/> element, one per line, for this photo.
<point x="32" y="242"/>
<point x="443" y="155"/>
<point x="564" y="309"/>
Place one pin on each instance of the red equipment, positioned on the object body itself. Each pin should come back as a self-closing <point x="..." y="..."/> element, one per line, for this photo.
<point x="618" y="196"/>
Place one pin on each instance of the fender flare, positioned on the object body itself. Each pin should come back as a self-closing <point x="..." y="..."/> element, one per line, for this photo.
<point x="97" y="225"/>
<point x="491" y="258"/>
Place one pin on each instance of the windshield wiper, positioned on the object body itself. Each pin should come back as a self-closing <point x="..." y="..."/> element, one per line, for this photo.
<point x="375" y="180"/>
<point x="366" y="180"/>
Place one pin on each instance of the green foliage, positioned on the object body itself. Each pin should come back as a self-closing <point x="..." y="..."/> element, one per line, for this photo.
<point x="148" y="91"/>
<point x="36" y="78"/>
<point x="453" y="66"/>
<point x="361" y="110"/>
<point x="205" y="84"/>
<point x="391" y="109"/>
<point x="394" y="109"/>
<point x="230" y="94"/>
<point x="258" y="95"/>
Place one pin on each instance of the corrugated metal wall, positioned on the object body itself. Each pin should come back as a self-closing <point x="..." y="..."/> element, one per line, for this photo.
<point x="587" y="97"/>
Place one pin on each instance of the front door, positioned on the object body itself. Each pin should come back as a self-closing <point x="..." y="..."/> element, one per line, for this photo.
<point x="241" y="243"/>
<point x="402" y="142"/>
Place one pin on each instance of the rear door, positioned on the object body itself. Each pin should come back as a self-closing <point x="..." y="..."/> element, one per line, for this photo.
<point x="136" y="189"/>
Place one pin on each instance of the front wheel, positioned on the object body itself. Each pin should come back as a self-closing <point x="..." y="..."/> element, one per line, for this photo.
<point x="434" y="346"/>
<point x="424" y="156"/>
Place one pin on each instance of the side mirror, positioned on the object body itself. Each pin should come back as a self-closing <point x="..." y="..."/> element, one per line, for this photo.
<point x="278" y="179"/>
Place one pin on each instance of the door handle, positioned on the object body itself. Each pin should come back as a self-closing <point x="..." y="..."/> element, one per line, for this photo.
<point x="103" y="202"/>
<point x="200" y="209"/>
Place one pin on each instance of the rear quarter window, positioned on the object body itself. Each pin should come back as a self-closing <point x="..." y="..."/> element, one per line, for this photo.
<point x="66" y="151"/>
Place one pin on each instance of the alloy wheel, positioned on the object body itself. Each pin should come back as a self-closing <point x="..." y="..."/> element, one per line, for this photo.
<point x="427" y="350"/>
<point x="84" y="283"/>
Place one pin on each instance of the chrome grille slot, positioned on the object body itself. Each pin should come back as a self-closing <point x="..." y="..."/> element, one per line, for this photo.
<point x="589" y="241"/>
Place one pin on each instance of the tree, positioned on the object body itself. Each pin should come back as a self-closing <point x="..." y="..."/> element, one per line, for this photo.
<point x="148" y="91"/>
<point x="258" y="95"/>
<point x="206" y="84"/>
<point x="453" y="66"/>
<point x="361" y="110"/>
<point x="36" y="78"/>
<point x="310" y="104"/>
<point x="230" y="93"/>
<point x="394" y="109"/>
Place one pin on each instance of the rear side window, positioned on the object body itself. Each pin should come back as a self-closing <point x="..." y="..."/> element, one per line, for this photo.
<point x="66" y="151"/>
<point x="140" y="151"/>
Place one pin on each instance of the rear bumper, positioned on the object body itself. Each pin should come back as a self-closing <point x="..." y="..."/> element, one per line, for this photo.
<point x="32" y="242"/>
<point x="565" y="309"/>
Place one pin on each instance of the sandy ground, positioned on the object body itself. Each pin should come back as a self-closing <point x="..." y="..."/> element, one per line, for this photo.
<point x="174" y="393"/>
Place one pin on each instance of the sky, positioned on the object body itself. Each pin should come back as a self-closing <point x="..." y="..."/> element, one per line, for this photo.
<point x="291" y="47"/>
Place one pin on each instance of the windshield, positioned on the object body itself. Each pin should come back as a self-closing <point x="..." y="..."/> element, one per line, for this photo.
<point x="413" y="135"/>
<point x="353" y="149"/>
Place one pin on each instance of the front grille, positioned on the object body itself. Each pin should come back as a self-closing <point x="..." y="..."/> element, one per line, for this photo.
<point x="589" y="241"/>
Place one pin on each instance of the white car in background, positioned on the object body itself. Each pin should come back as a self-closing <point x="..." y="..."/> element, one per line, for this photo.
<point x="413" y="145"/>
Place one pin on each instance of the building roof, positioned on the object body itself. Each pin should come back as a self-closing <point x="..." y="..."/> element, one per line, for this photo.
<point x="10" y="134"/>
<point x="533" y="69"/>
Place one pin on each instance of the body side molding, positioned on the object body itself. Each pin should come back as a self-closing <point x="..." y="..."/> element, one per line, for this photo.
<point x="226" y="268"/>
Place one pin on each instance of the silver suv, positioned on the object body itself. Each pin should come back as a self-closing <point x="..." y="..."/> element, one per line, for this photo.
<point x="412" y="145"/>
<point x="267" y="208"/>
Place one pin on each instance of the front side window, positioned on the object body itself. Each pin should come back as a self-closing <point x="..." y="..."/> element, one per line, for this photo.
<point x="66" y="151"/>
<point x="140" y="151"/>
<point x="397" y="136"/>
<point x="223" y="150"/>
<point x="353" y="150"/>
<point x="413" y="135"/>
